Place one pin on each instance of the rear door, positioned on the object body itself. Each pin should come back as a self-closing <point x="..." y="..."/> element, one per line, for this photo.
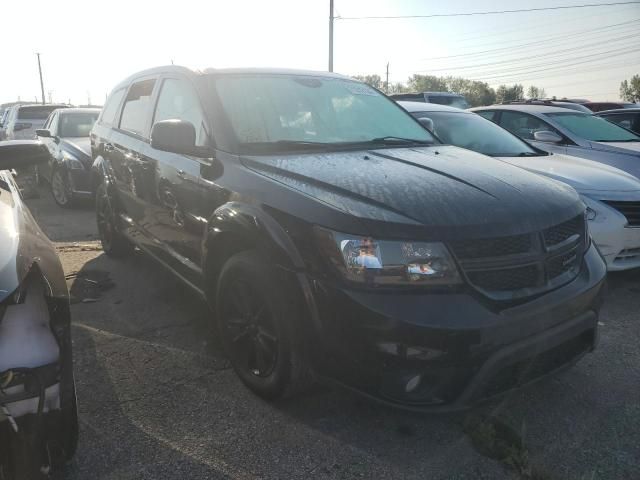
<point x="126" y="149"/>
<point x="173" y="216"/>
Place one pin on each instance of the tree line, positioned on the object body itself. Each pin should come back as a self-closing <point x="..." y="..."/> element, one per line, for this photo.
<point x="477" y="93"/>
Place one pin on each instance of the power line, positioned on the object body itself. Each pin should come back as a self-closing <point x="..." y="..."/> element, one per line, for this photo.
<point x="493" y="12"/>
<point x="545" y="55"/>
<point x="546" y="40"/>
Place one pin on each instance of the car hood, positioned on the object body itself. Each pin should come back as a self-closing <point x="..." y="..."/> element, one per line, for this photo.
<point x="583" y="175"/>
<point x="450" y="190"/>
<point x="78" y="146"/>
<point x="23" y="245"/>
<point x="630" y="148"/>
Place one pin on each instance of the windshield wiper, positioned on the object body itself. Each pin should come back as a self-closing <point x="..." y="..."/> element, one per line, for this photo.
<point x="390" y="139"/>
<point x="529" y="154"/>
<point x="626" y="140"/>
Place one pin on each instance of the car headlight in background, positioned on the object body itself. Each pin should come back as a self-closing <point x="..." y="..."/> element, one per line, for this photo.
<point x="72" y="162"/>
<point x="389" y="262"/>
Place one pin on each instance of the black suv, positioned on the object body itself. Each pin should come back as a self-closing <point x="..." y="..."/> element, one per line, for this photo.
<point x="336" y="238"/>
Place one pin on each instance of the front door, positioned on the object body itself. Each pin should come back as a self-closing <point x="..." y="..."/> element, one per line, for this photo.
<point x="174" y="217"/>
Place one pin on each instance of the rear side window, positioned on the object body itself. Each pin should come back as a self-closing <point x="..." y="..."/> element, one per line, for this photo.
<point x="111" y="108"/>
<point x="137" y="106"/>
<point x="35" y="113"/>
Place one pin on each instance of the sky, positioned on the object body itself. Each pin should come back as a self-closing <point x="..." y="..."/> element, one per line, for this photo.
<point x="87" y="46"/>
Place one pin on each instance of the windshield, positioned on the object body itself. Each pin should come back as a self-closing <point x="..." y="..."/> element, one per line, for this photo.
<point x="36" y="113"/>
<point x="284" y="112"/>
<point x="449" y="100"/>
<point x="593" y="128"/>
<point x="77" y="124"/>
<point x="471" y="131"/>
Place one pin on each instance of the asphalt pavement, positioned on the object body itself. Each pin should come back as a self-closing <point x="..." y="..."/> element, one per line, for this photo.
<point x="157" y="401"/>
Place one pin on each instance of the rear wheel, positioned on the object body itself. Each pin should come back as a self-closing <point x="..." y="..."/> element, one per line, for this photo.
<point x="61" y="188"/>
<point x="113" y="241"/>
<point x="258" y="322"/>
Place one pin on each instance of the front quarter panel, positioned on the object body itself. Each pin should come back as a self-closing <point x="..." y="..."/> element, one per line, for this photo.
<point x="24" y="246"/>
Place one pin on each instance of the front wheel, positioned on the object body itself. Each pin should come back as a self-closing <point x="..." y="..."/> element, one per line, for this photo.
<point x="61" y="188"/>
<point x="259" y="325"/>
<point x="113" y="241"/>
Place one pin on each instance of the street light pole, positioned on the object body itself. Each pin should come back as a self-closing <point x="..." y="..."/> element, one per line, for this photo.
<point x="331" y="18"/>
<point x="41" y="83"/>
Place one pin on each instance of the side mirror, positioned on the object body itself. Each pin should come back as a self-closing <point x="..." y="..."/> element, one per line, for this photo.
<point x="427" y="123"/>
<point x="177" y="136"/>
<point x="41" y="132"/>
<point x="547" y="137"/>
<point x="22" y="153"/>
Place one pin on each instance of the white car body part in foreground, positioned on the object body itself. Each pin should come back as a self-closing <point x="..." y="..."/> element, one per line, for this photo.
<point x="26" y="341"/>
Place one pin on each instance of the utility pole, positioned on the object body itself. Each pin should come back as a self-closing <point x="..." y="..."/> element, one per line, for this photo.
<point x="331" y="18"/>
<point x="41" y="83"/>
<point x="386" y="82"/>
<point x="50" y="95"/>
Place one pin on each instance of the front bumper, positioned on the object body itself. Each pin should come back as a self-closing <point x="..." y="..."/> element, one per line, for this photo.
<point x="449" y="350"/>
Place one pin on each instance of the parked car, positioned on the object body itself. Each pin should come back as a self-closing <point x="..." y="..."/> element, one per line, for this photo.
<point x="441" y="98"/>
<point x="38" y="415"/>
<point x="24" y="120"/>
<point x="628" y="118"/>
<point x="557" y="130"/>
<point x="332" y="234"/>
<point x="605" y="190"/>
<point x="66" y="135"/>
<point x="555" y="103"/>
<point x="601" y="106"/>
<point x="4" y="113"/>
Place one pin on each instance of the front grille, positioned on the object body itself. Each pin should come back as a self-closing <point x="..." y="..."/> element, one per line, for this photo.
<point x="492" y="247"/>
<point x="505" y="279"/>
<point x="563" y="263"/>
<point x="559" y="233"/>
<point x="507" y="268"/>
<point x="631" y="211"/>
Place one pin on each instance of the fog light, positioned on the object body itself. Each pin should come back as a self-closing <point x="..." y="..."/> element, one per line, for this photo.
<point x="412" y="384"/>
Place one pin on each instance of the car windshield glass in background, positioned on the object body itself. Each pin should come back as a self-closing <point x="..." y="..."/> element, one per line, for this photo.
<point x="468" y="130"/>
<point x="267" y="109"/>
<point x="593" y="128"/>
<point x="452" y="101"/>
<point x="77" y="124"/>
<point x="36" y="113"/>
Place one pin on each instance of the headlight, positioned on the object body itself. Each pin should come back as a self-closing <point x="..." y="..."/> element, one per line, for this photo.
<point x="72" y="162"/>
<point x="389" y="262"/>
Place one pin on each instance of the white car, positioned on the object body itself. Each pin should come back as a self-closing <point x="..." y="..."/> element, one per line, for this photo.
<point x="611" y="195"/>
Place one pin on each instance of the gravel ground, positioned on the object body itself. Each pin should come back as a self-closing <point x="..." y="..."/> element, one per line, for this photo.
<point x="157" y="402"/>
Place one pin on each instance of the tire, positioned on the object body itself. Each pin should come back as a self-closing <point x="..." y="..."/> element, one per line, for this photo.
<point x="113" y="241"/>
<point x="60" y="188"/>
<point x="257" y="321"/>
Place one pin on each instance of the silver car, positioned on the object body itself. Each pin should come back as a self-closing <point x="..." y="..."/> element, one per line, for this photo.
<point x="24" y="120"/>
<point x="559" y="130"/>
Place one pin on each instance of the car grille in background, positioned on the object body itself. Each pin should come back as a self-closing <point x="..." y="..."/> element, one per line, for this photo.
<point x="522" y="265"/>
<point x="631" y="210"/>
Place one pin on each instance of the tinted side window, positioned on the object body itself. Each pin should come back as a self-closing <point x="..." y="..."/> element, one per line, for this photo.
<point x="523" y="125"/>
<point x="178" y="100"/>
<point x="137" y="107"/>
<point x="488" y="114"/>
<point x="111" y="107"/>
<point x="625" y="120"/>
<point x="53" y="126"/>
